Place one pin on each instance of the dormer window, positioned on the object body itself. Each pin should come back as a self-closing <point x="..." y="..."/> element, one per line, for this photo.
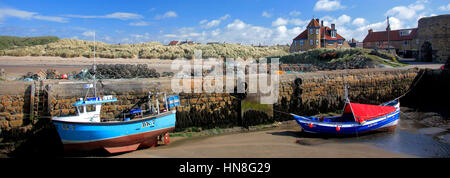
<point x="405" y="32"/>
<point x="333" y="33"/>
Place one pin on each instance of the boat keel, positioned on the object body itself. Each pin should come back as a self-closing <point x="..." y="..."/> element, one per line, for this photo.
<point x="122" y="148"/>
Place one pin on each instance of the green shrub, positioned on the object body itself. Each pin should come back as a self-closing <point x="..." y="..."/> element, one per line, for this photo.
<point x="7" y="42"/>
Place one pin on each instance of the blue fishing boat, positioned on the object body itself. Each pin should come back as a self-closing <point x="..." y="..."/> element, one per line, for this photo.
<point x="356" y="119"/>
<point x="86" y="130"/>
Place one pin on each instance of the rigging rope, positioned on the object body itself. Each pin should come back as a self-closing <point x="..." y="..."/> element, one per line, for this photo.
<point x="412" y="86"/>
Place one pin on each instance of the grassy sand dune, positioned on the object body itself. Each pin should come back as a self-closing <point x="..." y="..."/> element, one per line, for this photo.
<point x="69" y="48"/>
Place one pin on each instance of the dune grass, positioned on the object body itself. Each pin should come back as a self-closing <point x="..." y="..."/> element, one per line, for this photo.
<point x="76" y="48"/>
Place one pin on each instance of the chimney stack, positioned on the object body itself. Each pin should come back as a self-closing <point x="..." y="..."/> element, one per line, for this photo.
<point x="370" y="31"/>
<point x="333" y="26"/>
<point x="321" y="23"/>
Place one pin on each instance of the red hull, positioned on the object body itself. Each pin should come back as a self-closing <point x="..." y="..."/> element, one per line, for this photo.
<point x="120" y="144"/>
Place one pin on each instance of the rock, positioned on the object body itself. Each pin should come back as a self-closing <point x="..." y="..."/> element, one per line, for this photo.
<point x="16" y="123"/>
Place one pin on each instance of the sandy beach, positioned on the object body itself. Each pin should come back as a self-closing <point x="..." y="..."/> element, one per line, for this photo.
<point x="282" y="142"/>
<point x="18" y="66"/>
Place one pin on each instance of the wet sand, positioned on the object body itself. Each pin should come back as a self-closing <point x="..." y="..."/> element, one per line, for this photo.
<point x="273" y="143"/>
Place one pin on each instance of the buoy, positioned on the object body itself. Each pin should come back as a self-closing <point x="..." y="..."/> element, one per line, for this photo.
<point x="338" y="128"/>
<point x="310" y="125"/>
<point x="166" y="138"/>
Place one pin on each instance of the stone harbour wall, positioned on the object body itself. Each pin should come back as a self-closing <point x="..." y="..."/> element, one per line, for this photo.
<point x="26" y="107"/>
<point x="323" y="92"/>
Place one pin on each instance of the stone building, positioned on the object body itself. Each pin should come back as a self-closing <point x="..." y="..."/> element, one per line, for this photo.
<point x="316" y="36"/>
<point x="428" y="42"/>
<point x="401" y="40"/>
<point x="433" y="38"/>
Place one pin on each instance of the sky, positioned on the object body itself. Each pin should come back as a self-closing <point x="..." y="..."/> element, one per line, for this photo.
<point x="265" y="22"/>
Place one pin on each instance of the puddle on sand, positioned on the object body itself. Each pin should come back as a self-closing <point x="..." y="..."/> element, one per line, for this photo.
<point x="408" y="138"/>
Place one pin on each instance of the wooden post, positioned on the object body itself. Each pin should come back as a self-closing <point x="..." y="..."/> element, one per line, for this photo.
<point x="32" y="93"/>
<point x="49" y="101"/>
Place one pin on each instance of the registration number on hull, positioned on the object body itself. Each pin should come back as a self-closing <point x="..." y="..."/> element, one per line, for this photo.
<point x="148" y="124"/>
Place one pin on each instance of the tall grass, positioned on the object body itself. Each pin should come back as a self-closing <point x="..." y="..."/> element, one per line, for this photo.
<point x="75" y="48"/>
<point x="321" y="56"/>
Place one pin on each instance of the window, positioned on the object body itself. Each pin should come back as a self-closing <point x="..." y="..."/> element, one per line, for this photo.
<point x="405" y="32"/>
<point x="317" y="31"/>
<point x="340" y="42"/>
<point x="333" y="33"/>
<point x="417" y="41"/>
<point x="310" y="42"/>
<point x="317" y="42"/>
<point x="330" y="43"/>
<point x="302" y="42"/>
<point x="405" y="42"/>
<point x="311" y="31"/>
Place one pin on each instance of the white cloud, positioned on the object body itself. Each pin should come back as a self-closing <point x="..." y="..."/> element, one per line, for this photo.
<point x="236" y="25"/>
<point x="266" y="14"/>
<point x="280" y="21"/>
<point x="238" y="31"/>
<point x="170" y="35"/>
<point x="168" y="14"/>
<point x="116" y="15"/>
<point x="294" y="13"/>
<point x="139" y="24"/>
<point x="88" y="34"/>
<point x="445" y="7"/>
<point x="51" y="18"/>
<point x="359" y="22"/>
<point x="343" y="19"/>
<point x="10" y="12"/>
<point x="409" y="12"/>
<point x="123" y="16"/>
<point x="214" y="23"/>
<point x="298" y="22"/>
<point x="328" y="5"/>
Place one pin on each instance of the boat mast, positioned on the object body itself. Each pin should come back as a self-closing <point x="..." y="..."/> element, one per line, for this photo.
<point x="347" y="100"/>
<point x="95" y="82"/>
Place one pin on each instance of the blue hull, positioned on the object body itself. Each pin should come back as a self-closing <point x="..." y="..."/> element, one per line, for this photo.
<point x="89" y="136"/>
<point x="331" y="125"/>
<point x="309" y="125"/>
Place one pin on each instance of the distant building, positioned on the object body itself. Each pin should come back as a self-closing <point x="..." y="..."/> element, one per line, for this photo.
<point x="173" y="43"/>
<point x="428" y="42"/>
<point x="187" y="42"/>
<point x="318" y="36"/>
<point x="211" y="43"/>
<point x="355" y="44"/>
<point x="401" y="40"/>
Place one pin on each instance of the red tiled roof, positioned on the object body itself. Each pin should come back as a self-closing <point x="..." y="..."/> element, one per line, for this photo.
<point x="304" y="34"/>
<point x="173" y="43"/>
<point x="394" y="35"/>
<point x="314" y="23"/>
<point x="328" y="35"/>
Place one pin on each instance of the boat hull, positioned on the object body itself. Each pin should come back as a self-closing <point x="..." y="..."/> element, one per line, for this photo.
<point x="386" y="122"/>
<point x="115" y="136"/>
